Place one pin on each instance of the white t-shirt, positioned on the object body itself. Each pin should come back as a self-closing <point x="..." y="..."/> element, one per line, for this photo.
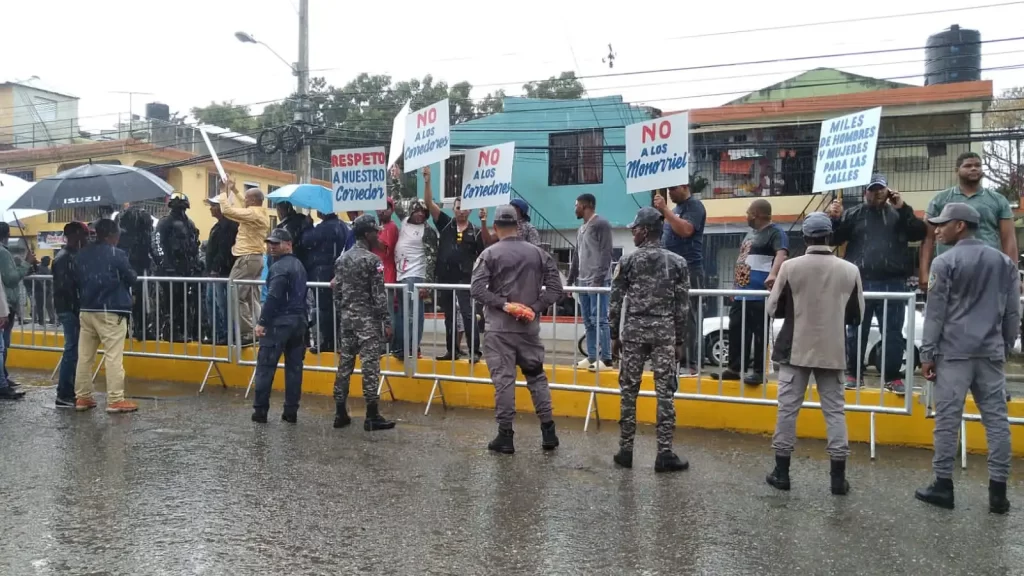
<point x="410" y="259"/>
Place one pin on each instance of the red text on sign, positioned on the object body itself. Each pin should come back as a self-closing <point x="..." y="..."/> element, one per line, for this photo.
<point x="489" y="157"/>
<point x="357" y="159"/>
<point x="656" y="130"/>
<point x="424" y="118"/>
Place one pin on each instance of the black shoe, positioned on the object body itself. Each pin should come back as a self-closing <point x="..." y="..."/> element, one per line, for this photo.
<point x="447" y="356"/>
<point x="341" y="417"/>
<point x="669" y="462"/>
<point x="779" y="478"/>
<point x="374" y="421"/>
<point x="840" y="487"/>
<point x="9" y="393"/>
<point x="624" y="458"/>
<point x="727" y="374"/>
<point x="939" y="493"/>
<point x="549" y="441"/>
<point x="475" y="357"/>
<point x="502" y="443"/>
<point x="12" y="383"/>
<point x="753" y="379"/>
<point x="65" y="403"/>
<point x="997" y="502"/>
<point x="259" y="416"/>
<point x="290" y="417"/>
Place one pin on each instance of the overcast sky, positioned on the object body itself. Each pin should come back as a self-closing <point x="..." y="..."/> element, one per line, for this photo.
<point x="185" y="54"/>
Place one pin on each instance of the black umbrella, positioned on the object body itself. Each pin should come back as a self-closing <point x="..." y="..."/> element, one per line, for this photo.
<point x="93" y="185"/>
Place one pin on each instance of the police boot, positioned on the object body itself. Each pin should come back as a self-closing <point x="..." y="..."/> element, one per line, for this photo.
<point x="502" y="443"/>
<point x="669" y="462"/>
<point x="290" y="416"/>
<point x="341" y="417"/>
<point x="549" y="441"/>
<point x="259" y="416"/>
<point x="779" y="478"/>
<point x="939" y="493"/>
<point x="997" y="502"/>
<point x="624" y="458"/>
<point x="840" y="486"/>
<point x="374" y="421"/>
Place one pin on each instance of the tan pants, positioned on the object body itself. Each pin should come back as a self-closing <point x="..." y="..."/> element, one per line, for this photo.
<point x="109" y="330"/>
<point x="248" y="267"/>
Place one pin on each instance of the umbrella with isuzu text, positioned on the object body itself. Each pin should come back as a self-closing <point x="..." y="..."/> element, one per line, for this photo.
<point x="93" y="185"/>
<point x="312" y="196"/>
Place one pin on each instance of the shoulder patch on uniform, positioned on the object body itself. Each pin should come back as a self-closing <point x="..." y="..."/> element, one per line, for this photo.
<point x="931" y="280"/>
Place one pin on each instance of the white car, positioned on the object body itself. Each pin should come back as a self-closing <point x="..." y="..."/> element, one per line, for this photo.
<point x="716" y="346"/>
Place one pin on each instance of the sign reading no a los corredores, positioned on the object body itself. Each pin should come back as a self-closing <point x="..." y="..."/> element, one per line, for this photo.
<point x="487" y="176"/>
<point x="846" y="151"/>
<point x="427" y="136"/>
<point x="359" y="179"/>
<point x="658" y="153"/>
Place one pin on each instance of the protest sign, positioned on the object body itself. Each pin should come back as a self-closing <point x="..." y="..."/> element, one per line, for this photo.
<point x="487" y="176"/>
<point x="359" y="179"/>
<point x="427" y="136"/>
<point x="846" y="151"/>
<point x="398" y="135"/>
<point x="658" y="153"/>
<point x="213" y="154"/>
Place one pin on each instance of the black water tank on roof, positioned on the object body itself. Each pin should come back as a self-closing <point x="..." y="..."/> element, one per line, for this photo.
<point x="953" y="55"/>
<point x="158" y="111"/>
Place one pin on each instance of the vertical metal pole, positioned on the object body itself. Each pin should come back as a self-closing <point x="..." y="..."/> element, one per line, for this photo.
<point x="303" y="169"/>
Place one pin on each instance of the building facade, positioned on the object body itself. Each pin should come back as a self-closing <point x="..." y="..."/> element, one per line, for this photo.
<point x="32" y="116"/>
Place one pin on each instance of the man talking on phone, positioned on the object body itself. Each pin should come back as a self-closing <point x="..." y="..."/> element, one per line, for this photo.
<point x="876" y="234"/>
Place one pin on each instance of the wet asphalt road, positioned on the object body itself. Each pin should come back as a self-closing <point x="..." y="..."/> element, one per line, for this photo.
<point x="189" y="485"/>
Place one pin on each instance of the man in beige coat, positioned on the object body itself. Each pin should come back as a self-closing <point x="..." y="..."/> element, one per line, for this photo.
<point x="817" y="295"/>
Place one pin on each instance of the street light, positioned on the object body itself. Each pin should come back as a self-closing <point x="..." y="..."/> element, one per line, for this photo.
<point x="246" y="38"/>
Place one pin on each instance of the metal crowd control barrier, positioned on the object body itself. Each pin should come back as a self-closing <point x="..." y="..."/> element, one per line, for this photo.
<point x="174" y="311"/>
<point x="321" y="293"/>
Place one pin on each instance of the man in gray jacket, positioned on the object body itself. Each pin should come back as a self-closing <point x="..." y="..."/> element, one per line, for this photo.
<point x="828" y="294"/>
<point x="593" y="269"/>
<point x="971" y="322"/>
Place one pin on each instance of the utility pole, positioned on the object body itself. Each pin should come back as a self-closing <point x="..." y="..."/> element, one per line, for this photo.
<point x="302" y="112"/>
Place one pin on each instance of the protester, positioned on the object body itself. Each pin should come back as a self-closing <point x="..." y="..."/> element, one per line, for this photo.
<point x="42" y="295"/>
<point x="105" y="279"/>
<point x="253" y="225"/>
<point x="178" y="301"/>
<point x="524" y="228"/>
<point x="142" y="245"/>
<point x="416" y="261"/>
<point x="365" y="326"/>
<point x="684" y="235"/>
<point x="297" y="224"/>
<point x="281" y="329"/>
<point x="971" y="321"/>
<point x="460" y="243"/>
<point x="507" y="282"/>
<point x="876" y="234"/>
<point x="12" y="271"/>
<point x="66" y="298"/>
<point x="7" y="392"/>
<point x="323" y="245"/>
<point x="592" y="268"/>
<point x="219" y="262"/>
<point x="387" y="239"/>
<point x="656" y="284"/>
<point x="816" y="295"/>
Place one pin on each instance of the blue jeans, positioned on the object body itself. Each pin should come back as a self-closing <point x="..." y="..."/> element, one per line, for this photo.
<point x="404" y="321"/>
<point x="216" y="299"/>
<point x="595" y="320"/>
<point x="69" y="360"/>
<point x="891" y="329"/>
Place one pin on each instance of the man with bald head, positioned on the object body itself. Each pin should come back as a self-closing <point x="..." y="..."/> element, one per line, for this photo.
<point x="253" y="226"/>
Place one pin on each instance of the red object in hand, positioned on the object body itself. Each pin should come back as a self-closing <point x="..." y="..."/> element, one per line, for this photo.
<point x="520" y="312"/>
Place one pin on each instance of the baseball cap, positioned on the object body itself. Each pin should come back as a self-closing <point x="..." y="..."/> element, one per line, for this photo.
<point x="505" y="214"/>
<point x="956" y="211"/>
<point x="417" y="205"/>
<point x="524" y="208"/>
<point x="878" y="180"/>
<point x="646" y="217"/>
<point x="816" y="225"/>
<point x="215" y="201"/>
<point x="278" y="235"/>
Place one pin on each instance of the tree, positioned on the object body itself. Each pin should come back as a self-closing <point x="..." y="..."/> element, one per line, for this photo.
<point x="565" y="87"/>
<point x="1004" y="153"/>
<point x="228" y="115"/>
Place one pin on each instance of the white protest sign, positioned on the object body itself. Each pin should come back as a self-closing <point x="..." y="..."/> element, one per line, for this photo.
<point x="846" y="151"/>
<point x="398" y="135"/>
<point x="487" y="176"/>
<point x="427" y="136"/>
<point x="213" y="154"/>
<point x="359" y="179"/>
<point x="658" y="153"/>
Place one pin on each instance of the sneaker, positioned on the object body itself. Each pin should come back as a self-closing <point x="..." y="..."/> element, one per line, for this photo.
<point x="687" y="372"/>
<point x="64" y="403"/>
<point x="601" y="365"/>
<point x="585" y="364"/>
<point x="8" y="393"/>
<point x="896" y="387"/>
<point x="727" y="374"/>
<point x="852" y="383"/>
<point x="83" y="404"/>
<point x="753" y="379"/>
<point x="122" y="406"/>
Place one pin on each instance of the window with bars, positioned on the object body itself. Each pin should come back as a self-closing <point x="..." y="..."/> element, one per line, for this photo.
<point x="212" y="185"/>
<point x="576" y="157"/>
<point x="453" y="167"/>
<point x="45" y="108"/>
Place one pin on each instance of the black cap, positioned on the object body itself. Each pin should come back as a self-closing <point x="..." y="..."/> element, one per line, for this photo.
<point x="278" y="235"/>
<point x="363" y="225"/>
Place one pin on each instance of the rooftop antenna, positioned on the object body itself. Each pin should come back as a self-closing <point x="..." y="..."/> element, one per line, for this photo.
<point x="610" y="58"/>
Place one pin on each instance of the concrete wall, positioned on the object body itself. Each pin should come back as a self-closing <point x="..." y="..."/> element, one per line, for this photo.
<point x="24" y="127"/>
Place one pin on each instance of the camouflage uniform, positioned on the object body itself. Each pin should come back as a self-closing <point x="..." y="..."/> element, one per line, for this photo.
<point x="361" y="301"/>
<point x="653" y="285"/>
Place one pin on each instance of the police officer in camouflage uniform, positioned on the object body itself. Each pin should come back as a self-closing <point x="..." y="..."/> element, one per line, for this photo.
<point x="653" y="285"/>
<point x="363" y="306"/>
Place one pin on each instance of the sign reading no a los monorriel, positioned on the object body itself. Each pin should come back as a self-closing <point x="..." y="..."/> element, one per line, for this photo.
<point x="359" y="179"/>
<point x="658" y="153"/>
<point x="427" y="136"/>
<point x="487" y="176"/>
<point x="846" y="151"/>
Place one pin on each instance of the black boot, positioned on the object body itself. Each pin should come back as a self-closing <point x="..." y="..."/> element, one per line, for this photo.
<point x="502" y="443"/>
<point x="374" y="421"/>
<point x="290" y="416"/>
<point x="549" y="441"/>
<point x="341" y="417"/>
<point x="997" y="502"/>
<point x="259" y="416"/>
<point x="779" y="478"/>
<point x="939" y="493"/>
<point x="840" y="486"/>
<point x="669" y="462"/>
<point x="624" y="458"/>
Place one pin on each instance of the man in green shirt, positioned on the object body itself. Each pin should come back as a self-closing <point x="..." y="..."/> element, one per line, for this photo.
<point x="996" y="226"/>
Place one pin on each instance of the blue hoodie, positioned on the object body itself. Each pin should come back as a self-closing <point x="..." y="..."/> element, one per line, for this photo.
<point x="105" y="278"/>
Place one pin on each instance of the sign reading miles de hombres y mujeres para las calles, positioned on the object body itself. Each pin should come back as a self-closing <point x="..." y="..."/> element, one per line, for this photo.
<point x="846" y="151"/>
<point x="359" y="179"/>
<point x="427" y="136"/>
<point x="487" y="176"/>
<point x="658" y="153"/>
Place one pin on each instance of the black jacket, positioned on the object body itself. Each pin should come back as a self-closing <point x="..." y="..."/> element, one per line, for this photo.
<point x="286" y="290"/>
<point x="179" y="239"/>
<point x="105" y="278"/>
<point x="298" y="225"/>
<point x="65" y="282"/>
<point x="325" y="243"/>
<point x="136" y="238"/>
<point x="219" y="259"/>
<point x="876" y="239"/>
